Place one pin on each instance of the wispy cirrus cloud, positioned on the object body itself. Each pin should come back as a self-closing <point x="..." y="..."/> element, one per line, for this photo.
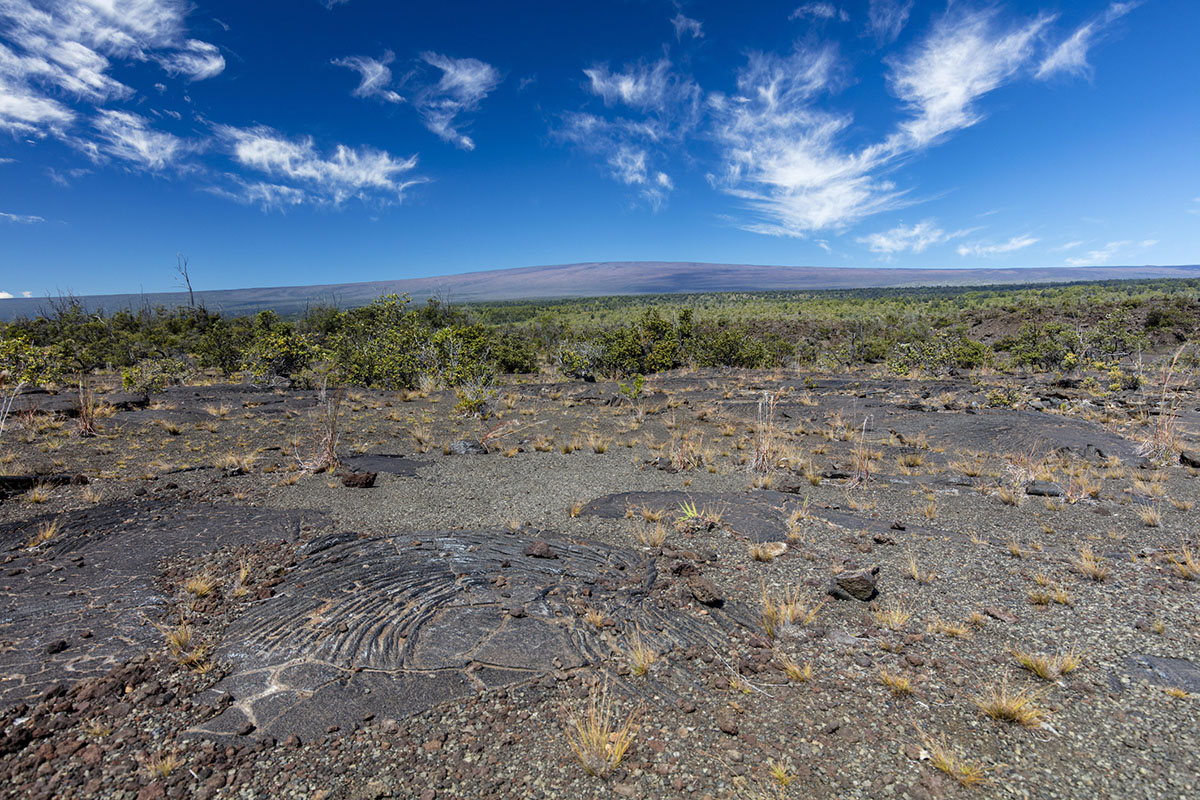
<point x="67" y="48"/>
<point x="886" y="18"/>
<point x="782" y="155"/>
<point x="299" y="173"/>
<point x="819" y="11"/>
<point x="21" y="219"/>
<point x="1065" y="246"/>
<point x="913" y="238"/>
<point x="463" y="85"/>
<point x="1102" y="255"/>
<point x="789" y="157"/>
<point x="647" y="109"/>
<point x="1070" y="56"/>
<point x="374" y="76"/>
<point x="990" y="250"/>
<point x="130" y="138"/>
<point x="965" y="57"/>
<point x="686" y="25"/>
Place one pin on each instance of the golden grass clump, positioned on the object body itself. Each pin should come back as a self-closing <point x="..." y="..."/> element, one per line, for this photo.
<point x="1006" y="704"/>
<point x="597" y="735"/>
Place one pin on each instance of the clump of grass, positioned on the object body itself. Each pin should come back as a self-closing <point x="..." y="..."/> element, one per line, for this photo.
<point x="779" y="773"/>
<point x="653" y="537"/>
<point x="793" y="669"/>
<point x="954" y="630"/>
<point x="914" y="570"/>
<point x="893" y="617"/>
<point x="1091" y="566"/>
<point x="1150" y="516"/>
<point x="161" y="766"/>
<point x="235" y="464"/>
<point x="1048" y="668"/>
<point x="641" y="655"/>
<point x="785" y="609"/>
<point x="595" y="617"/>
<point x="1177" y="693"/>
<point x="1186" y="564"/>
<point x="654" y="514"/>
<point x="899" y="684"/>
<point x="597" y="734"/>
<point x="1006" y="704"/>
<point x="201" y="584"/>
<point x="1008" y="497"/>
<point x="44" y="532"/>
<point x="943" y="757"/>
<point x="575" y="509"/>
<point x="39" y="494"/>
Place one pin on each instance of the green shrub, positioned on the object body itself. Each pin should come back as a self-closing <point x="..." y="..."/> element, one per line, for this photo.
<point x="154" y="375"/>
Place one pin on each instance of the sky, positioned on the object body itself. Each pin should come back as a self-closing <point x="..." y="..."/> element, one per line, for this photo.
<point x="292" y="142"/>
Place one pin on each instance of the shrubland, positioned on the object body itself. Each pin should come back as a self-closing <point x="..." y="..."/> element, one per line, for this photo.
<point x="1099" y="330"/>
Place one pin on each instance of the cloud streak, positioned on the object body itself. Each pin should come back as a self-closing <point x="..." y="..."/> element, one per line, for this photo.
<point x="67" y="48"/>
<point x="21" y="219"/>
<point x="985" y="250"/>
<point x="301" y="174"/>
<point x="464" y="84"/>
<point x="374" y="76"/>
<point x="915" y="238"/>
<point x="1070" y="56"/>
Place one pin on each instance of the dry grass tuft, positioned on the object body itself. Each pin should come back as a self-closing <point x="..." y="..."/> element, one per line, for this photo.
<point x="1006" y="704"/>
<point x="779" y="611"/>
<point x="653" y="537"/>
<point x="161" y="766"/>
<point x="641" y="655"/>
<point x="899" y="684"/>
<point x="596" y="735"/>
<point x="44" y="532"/>
<point x="1048" y="668"/>
<point x="943" y="757"/>
<point x="1186" y="564"/>
<point x="894" y="617"/>
<point x="1092" y="566"/>
<point x="793" y="669"/>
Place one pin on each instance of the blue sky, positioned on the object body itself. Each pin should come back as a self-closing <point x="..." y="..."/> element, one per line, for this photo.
<point x="305" y="141"/>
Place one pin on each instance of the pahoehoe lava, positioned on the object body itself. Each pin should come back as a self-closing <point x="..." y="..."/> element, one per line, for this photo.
<point x="394" y="625"/>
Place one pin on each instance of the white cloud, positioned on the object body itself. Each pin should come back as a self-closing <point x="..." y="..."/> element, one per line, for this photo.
<point x="1101" y="255"/>
<point x="654" y="108"/>
<point x="692" y="27"/>
<point x="781" y="153"/>
<point x="364" y="173"/>
<point x="983" y="250"/>
<point x="1062" y="248"/>
<point x="196" y="61"/>
<point x="916" y="238"/>
<point x="67" y="47"/>
<point x="821" y="11"/>
<point x="1070" y="56"/>
<point x="129" y="137"/>
<point x="465" y="82"/>
<point x="646" y="88"/>
<point x="886" y="18"/>
<point x="6" y="295"/>
<point x="965" y="58"/>
<point x="20" y="219"/>
<point x="26" y="294"/>
<point x="628" y="165"/>
<point x="374" y="76"/>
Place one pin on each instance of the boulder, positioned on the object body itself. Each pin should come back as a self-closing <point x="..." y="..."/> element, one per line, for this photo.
<point x="857" y="585"/>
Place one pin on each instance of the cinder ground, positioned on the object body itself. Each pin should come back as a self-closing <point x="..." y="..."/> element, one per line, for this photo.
<point x="203" y="618"/>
